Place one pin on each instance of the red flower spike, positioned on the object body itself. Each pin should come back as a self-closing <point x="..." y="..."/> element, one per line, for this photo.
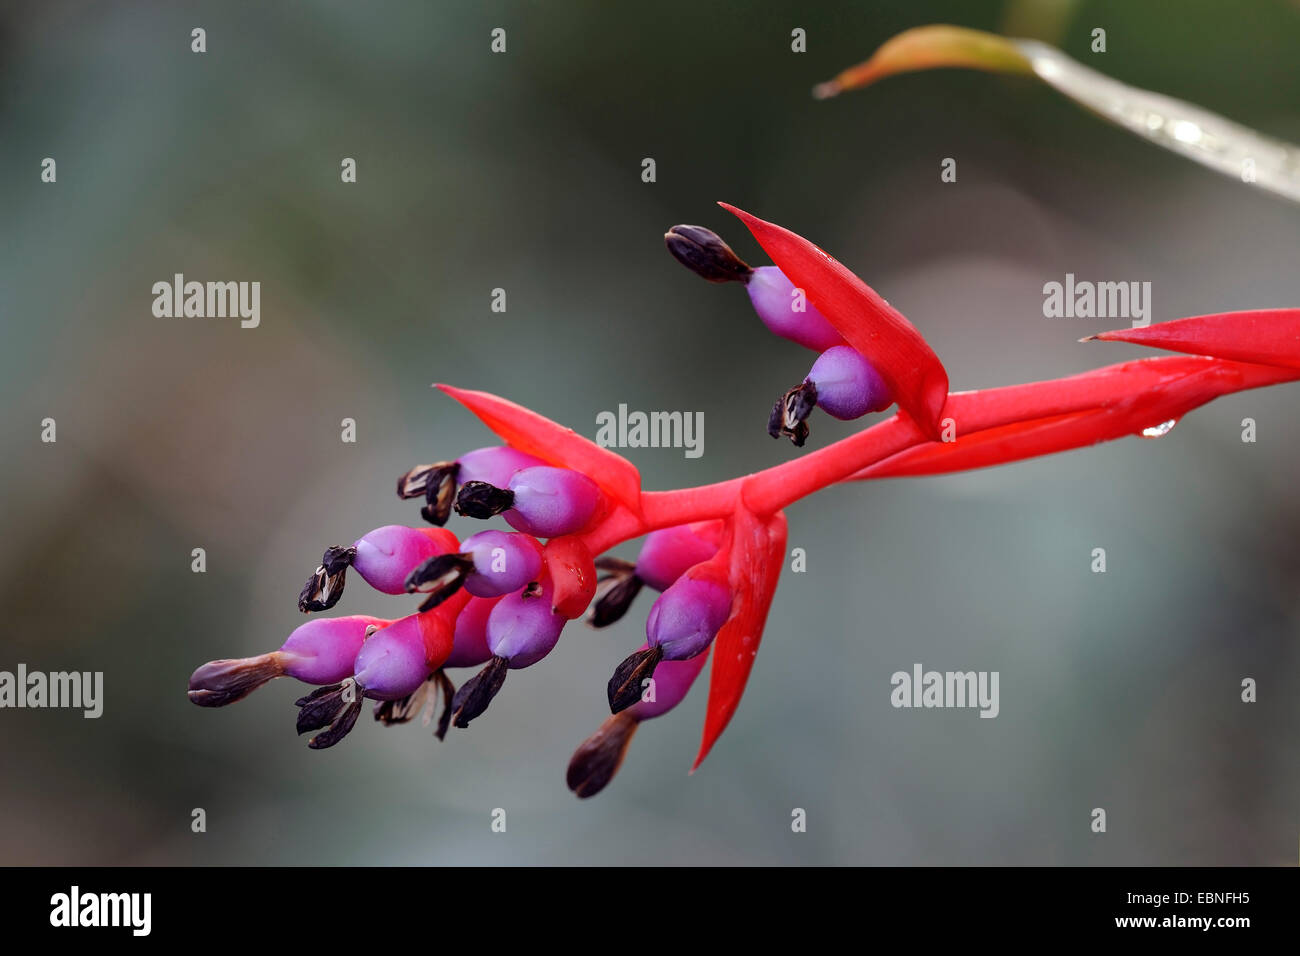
<point x="535" y="434"/>
<point x="1265" y="336"/>
<point x="757" y="552"/>
<point x="871" y="325"/>
<point x="573" y="575"/>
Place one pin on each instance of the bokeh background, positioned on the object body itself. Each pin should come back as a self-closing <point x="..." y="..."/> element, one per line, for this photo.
<point x="522" y="171"/>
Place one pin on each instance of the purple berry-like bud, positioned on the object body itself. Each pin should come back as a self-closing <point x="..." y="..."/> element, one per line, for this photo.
<point x="392" y="662"/>
<point x="775" y="302"/>
<point x="669" y="552"/>
<point x="323" y="650"/>
<point x="842" y="382"/>
<point x="848" y="386"/>
<point x="682" y="623"/>
<point x="385" y="556"/>
<point x="665" y="556"/>
<point x="597" y="760"/>
<point x="494" y="465"/>
<point x="549" y="502"/>
<point x="320" y="651"/>
<point x="503" y="562"/>
<point x="672" y="681"/>
<point x="522" y="628"/>
<point x="687" y="616"/>
<point x="438" y="482"/>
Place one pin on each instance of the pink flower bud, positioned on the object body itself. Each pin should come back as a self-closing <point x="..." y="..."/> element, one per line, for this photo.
<point x="775" y="302"/>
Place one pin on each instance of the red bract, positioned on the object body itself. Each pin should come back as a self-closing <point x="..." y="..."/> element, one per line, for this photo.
<point x="1266" y="336"/>
<point x="1001" y="425"/>
<point x="530" y="432"/>
<point x="871" y="325"/>
<point x="718" y="566"/>
<point x="757" y="549"/>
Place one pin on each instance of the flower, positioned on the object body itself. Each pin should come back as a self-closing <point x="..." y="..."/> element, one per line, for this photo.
<point x="500" y="601"/>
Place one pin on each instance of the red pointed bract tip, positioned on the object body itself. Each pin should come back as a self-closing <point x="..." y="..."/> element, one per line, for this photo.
<point x="757" y="553"/>
<point x="916" y="377"/>
<point x="1264" y="336"/>
<point x="526" y="430"/>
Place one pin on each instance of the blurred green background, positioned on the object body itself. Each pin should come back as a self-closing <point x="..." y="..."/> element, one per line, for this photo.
<point x="522" y="171"/>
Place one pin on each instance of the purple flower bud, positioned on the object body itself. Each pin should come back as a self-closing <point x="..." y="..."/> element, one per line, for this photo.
<point x="550" y="502"/>
<point x="323" y="650"/>
<point x="665" y="556"/>
<point x="503" y="562"/>
<point x="320" y="651"/>
<point x="383" y="557"/>
<point x="521" y="630"/>
<point x="495" y="465"/>
<point x="489" y="564"/>
<point x="598" y="758"/>
<point x="848" y="386"/>
<point x="669" y="552"/>
<point x="772" y="295"/>
<point x="682" y="623"/>
<point x="438" y="482"/>
<point x="542" y="501"/>
<point x="672" y="681"/>
<point x="386" y="556"/>
<point x="842" y="382"/>
<point x="392" y="662"/>
<point x="686" y="617"/>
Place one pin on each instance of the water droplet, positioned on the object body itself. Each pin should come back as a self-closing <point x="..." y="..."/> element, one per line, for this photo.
<point x="1159" y="431"/>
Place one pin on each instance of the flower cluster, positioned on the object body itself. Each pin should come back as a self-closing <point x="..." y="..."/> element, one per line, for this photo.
<point x="499" y="600"/>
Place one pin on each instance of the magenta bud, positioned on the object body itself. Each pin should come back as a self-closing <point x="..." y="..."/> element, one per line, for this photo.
<point x="672" y="681"/>
<point x="322" y="651"/>
<point x="385" y="556"/>
<point x="470" y="647"/>
<point x="522" y="628"/>
<point x="668" y="553"/>
<point x="503" y="562"/>
<point x="549" y="502"/>
<point x="495" y="465"/>
<point x="687" y="616"/>
<point x="776" y="303"/>
<point x="392" y="662"/>
<point x="848" y="386"/>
